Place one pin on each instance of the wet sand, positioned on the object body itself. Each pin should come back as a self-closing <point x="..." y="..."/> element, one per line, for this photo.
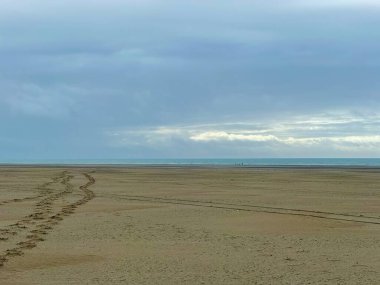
<point x="168" y="225"/>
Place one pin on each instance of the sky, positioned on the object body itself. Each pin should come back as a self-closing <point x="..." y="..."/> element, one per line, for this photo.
<point x="114" y="79"/>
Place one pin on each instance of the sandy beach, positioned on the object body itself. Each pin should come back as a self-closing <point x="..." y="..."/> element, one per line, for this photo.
<point x="189" y="225"/>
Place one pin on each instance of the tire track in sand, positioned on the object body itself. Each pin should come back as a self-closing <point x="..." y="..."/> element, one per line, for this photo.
<point x="44" y="221"/>
<point x="254" y="208"/>
<point x="42" y="190"/>
<point x="45" y="192"/>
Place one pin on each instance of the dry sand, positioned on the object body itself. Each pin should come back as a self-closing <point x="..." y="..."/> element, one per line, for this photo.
<point x="157" y="225"/>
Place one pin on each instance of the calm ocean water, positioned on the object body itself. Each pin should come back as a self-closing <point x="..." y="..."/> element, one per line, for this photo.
<point x="360" y="162"/>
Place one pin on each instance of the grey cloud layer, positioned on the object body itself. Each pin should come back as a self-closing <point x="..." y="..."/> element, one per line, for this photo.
<point x="85" y="68"/>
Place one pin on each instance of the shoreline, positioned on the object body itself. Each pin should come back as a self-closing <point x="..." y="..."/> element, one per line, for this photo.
<point x="179" y="166"/>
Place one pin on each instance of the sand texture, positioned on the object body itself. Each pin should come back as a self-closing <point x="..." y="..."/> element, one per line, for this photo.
<point x="183" y="225"/>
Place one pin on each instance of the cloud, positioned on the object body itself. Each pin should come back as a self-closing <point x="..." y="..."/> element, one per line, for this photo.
<point x="191" y="77"/>
<point x="336" y="3"/>
<point x="224" y="136"/>
<point x="364" y="140"/>
<point x="343" y="132"/>
<point x="34" y="100"/>
<point x="358" y="140"/>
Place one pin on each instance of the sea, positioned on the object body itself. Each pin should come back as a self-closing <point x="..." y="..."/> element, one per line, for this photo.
<point x="238" y="162"/>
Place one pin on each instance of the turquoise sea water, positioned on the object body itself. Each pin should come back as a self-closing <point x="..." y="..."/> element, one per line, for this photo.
<point x="347" y="162"/>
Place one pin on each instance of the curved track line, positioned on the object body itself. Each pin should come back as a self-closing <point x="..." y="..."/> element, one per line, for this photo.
<point x="42" y="189"/>
<point x="40" y="208"/>
<point x="44" y="224"/>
